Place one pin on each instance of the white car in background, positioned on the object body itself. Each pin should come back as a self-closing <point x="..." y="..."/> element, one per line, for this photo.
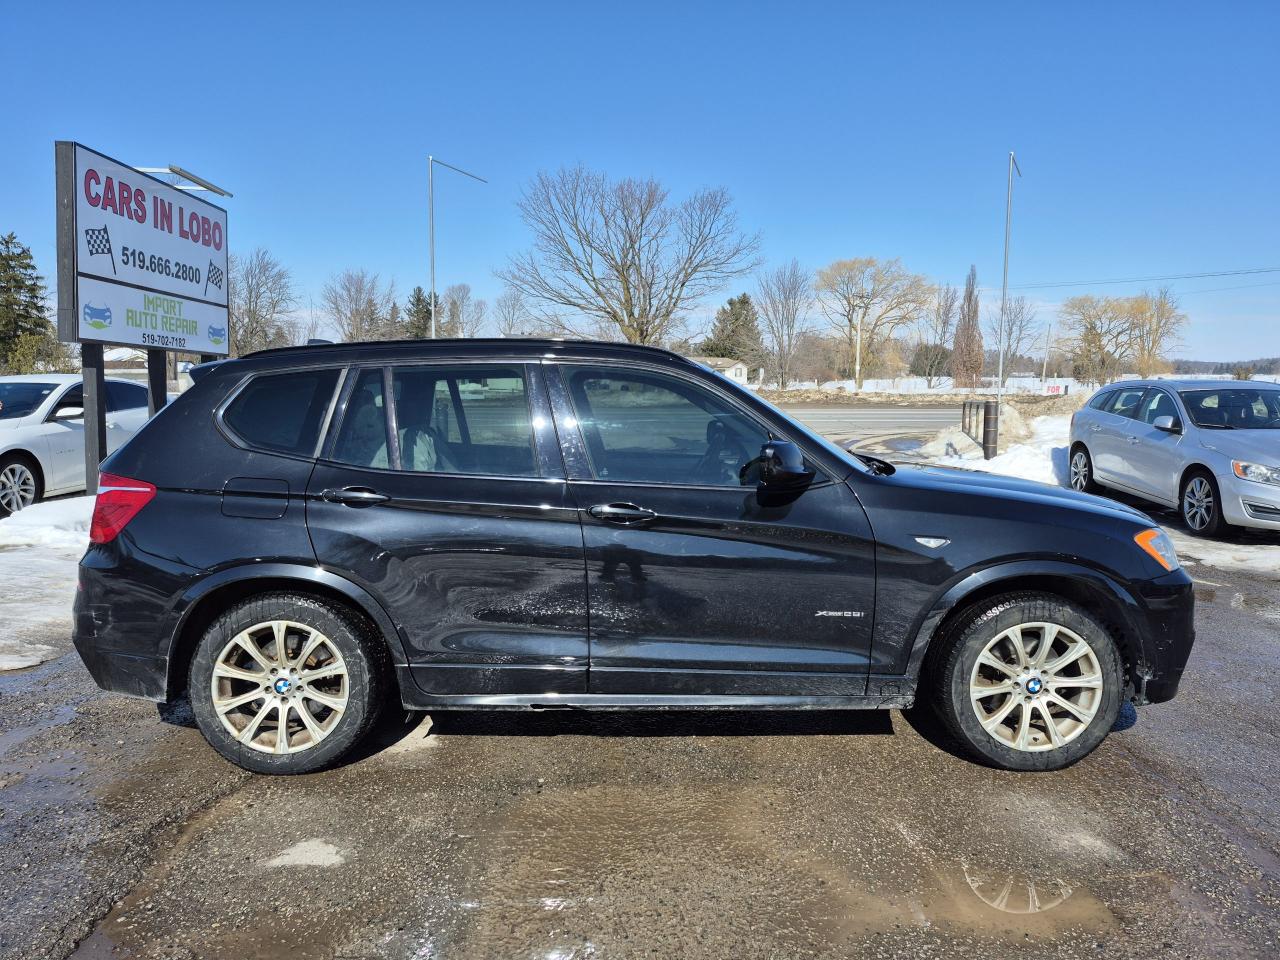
<point x="42" y="433"/>
<point x="1211" y="449"/>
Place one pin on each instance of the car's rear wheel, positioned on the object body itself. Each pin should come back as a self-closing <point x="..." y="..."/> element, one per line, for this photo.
<point x="1080" y="471"/>
<point x="1027" y="681"/>
<point x="20" y="483"/>
<point x="285" y="684"/>
<point x="1202" y="505"/>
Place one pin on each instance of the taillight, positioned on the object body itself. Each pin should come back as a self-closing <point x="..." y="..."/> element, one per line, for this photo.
<point x="119" y="500"/>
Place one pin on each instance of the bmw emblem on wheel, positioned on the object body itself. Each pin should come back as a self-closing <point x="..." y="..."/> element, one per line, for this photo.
<point x="1034" y="685"/>
<point x="282" y="685"/>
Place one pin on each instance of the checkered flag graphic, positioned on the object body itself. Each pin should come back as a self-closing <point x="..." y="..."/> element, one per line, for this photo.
<point x="99" y="242"/>
<point x="214" y="276"/>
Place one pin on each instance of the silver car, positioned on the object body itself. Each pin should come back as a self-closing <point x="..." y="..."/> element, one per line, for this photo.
<point x="42" y="433"/>
<point x="1210" y="448"/>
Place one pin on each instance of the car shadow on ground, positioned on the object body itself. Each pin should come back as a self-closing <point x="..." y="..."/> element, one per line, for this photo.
<point x="398" y="725"/>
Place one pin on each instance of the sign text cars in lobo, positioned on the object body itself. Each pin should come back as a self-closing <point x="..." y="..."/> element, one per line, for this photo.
<point x="149" y="259"/>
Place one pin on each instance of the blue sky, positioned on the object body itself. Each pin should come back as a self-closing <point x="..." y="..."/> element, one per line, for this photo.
<point x="1147" y="133"/>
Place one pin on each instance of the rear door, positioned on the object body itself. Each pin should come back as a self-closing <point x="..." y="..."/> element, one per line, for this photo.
<point x="699" y="585"/>
<point x="441" y="491"/>
<point x="126" y="411"/>
<point x="1109" y="444"/>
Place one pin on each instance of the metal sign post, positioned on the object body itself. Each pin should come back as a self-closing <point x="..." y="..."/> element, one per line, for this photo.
<point x="141" y="263"/>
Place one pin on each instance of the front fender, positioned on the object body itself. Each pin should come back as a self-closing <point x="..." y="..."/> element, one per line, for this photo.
<point x="1109" y="598"/>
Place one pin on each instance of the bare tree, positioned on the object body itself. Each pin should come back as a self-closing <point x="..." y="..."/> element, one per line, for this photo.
<point x="360" y="306"/>
<point x="512" y="316"/>
<point x="460" y="314"/>
<point x="1017" y="331"/>
<point x="1157" y="327"/>
<point x="933" y="336"/>
<point x="260" y="298"/>
<point x="866" y="301"/>
<point x="1100" y="334"/>
<point x="620" y="256"/>
<point x="785" y="301"/>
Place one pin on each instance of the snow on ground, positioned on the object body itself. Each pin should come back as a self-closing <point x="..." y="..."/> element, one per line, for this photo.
<point x="39" y="550"/>
<point x="1259" y="559"/>
<point x="1043" y="456"/>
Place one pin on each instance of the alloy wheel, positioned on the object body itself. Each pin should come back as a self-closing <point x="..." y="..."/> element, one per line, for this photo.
<point x="280" y="686"/>
<point x="1198" y="504"/>
<point x="1079" y="470"/>
<point x="17" y="487"/>
<point x="1036" y="686"/>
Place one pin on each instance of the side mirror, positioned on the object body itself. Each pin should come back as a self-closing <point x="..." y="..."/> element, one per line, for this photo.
<point x="781" y="464"/>
<point x="69" y="413"/>
<point x="1167" y="424"/>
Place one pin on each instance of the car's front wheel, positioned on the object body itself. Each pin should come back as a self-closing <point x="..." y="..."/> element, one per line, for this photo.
<point x="284" y="683"/>
<point x="1202" y="505"/>
<point x="1027" y="681"/>
<point x="20" y="484"/>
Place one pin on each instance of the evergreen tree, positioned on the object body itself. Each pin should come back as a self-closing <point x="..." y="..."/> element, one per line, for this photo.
<point x="22" y="310"/>
<point x="736" y="333"/>
<point x="966" y="352"/>
<point x="417" y="315"/>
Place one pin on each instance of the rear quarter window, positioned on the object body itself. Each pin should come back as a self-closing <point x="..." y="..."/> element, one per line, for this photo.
<point x="282" y="412"/>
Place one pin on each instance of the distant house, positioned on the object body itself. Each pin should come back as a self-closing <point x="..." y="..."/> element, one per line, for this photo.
<point x="735" y="370"/>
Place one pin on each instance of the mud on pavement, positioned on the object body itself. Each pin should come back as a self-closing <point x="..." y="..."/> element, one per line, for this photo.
<point x="689" y="835"/>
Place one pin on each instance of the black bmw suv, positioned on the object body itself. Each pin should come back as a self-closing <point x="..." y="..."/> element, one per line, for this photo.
<point x="309" y="533"/>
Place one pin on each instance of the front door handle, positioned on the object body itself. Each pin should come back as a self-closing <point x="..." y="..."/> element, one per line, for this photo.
<point x="624" y="513"/>
<point x="354" y="496"/>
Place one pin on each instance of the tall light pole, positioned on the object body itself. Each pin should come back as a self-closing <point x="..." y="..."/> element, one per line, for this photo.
<point x="1004" y="284"/>
<point x="431" y="223"/>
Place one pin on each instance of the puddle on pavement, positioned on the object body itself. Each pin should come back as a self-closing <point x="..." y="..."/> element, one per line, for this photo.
<point x="570" y="872"/>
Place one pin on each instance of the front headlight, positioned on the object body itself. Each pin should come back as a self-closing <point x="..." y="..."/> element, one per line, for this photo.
<point x="1255" y="471"/>
<point x="1157" y="545"/>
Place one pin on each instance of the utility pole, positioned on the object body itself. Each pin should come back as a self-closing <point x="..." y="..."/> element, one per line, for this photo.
<point x="1044" y="370"/>
<point x="1004" y="285"/>
<point x="431" y="223"/>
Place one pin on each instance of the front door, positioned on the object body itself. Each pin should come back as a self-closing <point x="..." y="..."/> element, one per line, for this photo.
<point x="699" y="585"/>
<point x="442" y="492"/>
<point x="1153" y="458"/>
<point x="1109" y="446"/>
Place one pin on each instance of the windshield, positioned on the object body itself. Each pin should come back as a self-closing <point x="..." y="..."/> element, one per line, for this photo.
<point x="1234" y="408"/>
<point x="20" y="399"/>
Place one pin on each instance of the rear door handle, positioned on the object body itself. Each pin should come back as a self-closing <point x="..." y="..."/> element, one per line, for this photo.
<point x="354" y="496"/>
<point x="624" y="513"/>
<point x="1132" y="439"/>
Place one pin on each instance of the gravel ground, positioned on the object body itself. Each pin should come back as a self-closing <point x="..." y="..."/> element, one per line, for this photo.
<point x="580" y="835"/>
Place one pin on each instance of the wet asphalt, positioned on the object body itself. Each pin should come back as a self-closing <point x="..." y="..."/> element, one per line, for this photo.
<point x="675" y="835"/>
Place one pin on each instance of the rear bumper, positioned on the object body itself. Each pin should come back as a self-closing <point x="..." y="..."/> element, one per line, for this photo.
<point x="1166" y="614"/>
<point x="123" y="625"/>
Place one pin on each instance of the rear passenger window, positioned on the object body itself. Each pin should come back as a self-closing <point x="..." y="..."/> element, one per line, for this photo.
<point x="464" y="419"/>
<point x="1125" y="402"/>
<point x="362" y="441"/>
<point x="125" y="396"/>
<point x="283" y="412"/>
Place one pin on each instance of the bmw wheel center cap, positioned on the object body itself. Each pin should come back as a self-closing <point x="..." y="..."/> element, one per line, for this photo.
<point x="1034" y="685"/>
<point x="282" y="685"/>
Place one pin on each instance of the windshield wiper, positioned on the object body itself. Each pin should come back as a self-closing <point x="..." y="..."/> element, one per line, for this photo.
<point x="878" y="466"/>
<point x="1216" y="426"/>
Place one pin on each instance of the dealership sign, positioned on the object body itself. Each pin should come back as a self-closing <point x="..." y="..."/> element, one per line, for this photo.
<point x="148" y="261"/>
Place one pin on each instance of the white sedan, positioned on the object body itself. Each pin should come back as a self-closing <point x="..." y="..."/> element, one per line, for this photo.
<point x="42" y="433"/>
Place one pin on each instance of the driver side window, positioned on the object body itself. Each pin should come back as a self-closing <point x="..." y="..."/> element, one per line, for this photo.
<point x="644" y="427"/>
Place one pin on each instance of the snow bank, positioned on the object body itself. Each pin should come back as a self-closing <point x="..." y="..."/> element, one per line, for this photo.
<point x="39" y="550"/>
<point x="1043" y="456"/>
<point x="1258" y="559"/>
